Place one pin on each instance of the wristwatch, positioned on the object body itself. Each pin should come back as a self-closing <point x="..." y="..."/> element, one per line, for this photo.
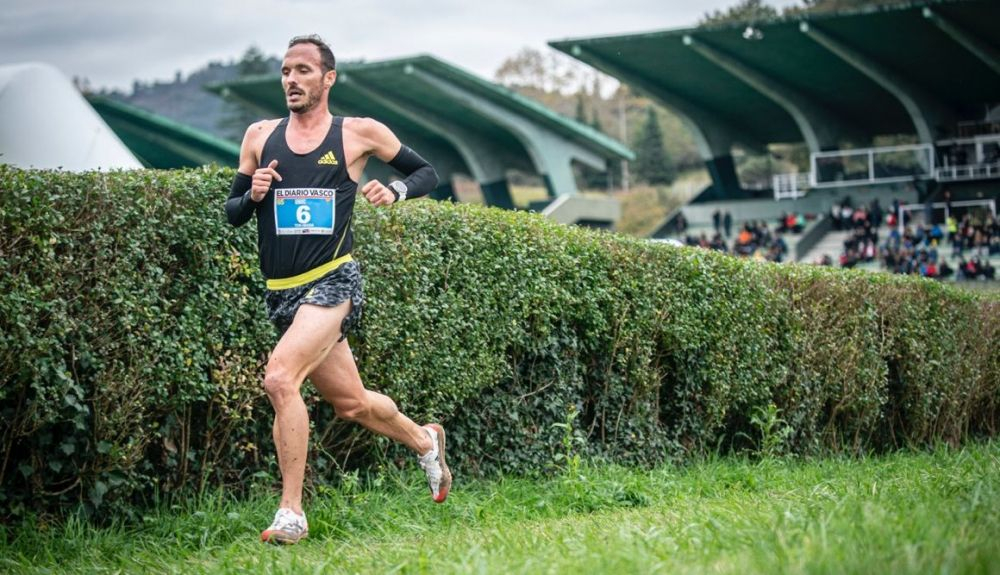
<point x="398" y="189"/>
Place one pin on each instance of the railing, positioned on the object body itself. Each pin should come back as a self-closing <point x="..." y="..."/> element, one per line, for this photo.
<point x="970" y="129"/>
<point x="756" y="185"/>
<point x="881" y="165"/>
<point x="972" y="172"/>
<point x="790" y="186"/>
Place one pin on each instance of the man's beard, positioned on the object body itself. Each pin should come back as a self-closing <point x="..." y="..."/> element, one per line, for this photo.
<point x="304" y="106"/>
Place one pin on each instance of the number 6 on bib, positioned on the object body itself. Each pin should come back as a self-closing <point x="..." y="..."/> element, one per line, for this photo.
<point x="302" y="214"/>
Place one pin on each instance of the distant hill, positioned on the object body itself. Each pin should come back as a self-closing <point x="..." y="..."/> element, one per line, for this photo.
<point x="185" y="100"/>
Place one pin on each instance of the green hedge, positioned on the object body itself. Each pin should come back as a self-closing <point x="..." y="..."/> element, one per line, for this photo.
<point x="133" y="337"/>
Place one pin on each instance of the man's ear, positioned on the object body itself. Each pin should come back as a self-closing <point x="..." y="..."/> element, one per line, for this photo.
<point x="330" y="78"/>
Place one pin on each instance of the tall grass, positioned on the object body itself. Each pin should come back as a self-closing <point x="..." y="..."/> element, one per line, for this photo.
<point x="903" y="513"/>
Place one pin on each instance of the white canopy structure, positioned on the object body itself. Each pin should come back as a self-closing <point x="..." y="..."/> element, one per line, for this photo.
<point x="45" y="123"/>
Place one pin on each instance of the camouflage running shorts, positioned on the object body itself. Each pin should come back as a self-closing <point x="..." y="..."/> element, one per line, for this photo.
<point x="331" y="290"/>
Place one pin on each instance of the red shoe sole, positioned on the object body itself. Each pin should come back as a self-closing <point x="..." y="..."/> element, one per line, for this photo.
<point x="269" y="537"/>
<point x="446" y="473"/>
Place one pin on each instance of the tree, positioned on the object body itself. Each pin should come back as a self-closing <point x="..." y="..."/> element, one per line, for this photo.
<point x="588" y="177"/>
<point x="651" y="161"/>
<point x="253" y="63"/>
<point x="581" y="111"/>
<point x="596" y="179"/>
<point x="612" y="172"/>
<point x="745" y="11"/>
<point x="546" y="72"/>
<point x="235" y="117"/>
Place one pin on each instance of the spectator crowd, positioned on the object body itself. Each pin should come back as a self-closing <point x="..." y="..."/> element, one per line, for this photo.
<point x="754" y="238"/>
<point x="917" y="250"/>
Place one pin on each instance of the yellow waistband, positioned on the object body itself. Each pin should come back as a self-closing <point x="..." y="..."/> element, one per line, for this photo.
<point x="311" y="275"/>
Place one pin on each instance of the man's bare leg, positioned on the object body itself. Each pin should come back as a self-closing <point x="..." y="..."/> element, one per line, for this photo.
<point x="310" y="347"/>
<point x="338" y="381"/>
<point x="306" y="343"/>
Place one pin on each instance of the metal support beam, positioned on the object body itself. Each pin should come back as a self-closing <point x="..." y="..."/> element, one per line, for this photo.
<point x="497" y="194"/>
<point x="926" y="111"/>
<point x="550" y="152"/>
<point x="988" y="54"/>
<point x="713" y="135"/>
<point x="480" y="156"/>
<point x="445" y="191"/>
<point x="722" y="169"/>
<point x="820" y="129"/>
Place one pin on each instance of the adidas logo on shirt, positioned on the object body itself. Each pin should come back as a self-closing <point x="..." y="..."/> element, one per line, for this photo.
<point x="328" y="159"/>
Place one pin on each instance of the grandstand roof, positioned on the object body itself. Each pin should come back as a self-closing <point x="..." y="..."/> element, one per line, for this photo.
<point x="163" y="143"/>
<point x="418" y="94"/>
<point x="854" y="75"/>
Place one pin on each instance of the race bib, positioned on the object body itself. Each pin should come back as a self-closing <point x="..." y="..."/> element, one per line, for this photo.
<point x="299" y="211"/>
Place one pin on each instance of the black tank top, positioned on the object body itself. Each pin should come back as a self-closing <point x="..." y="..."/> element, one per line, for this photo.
<point x="307" y="181"/>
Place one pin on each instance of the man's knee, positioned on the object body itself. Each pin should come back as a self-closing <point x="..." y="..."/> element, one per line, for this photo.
<point x="279" y="384"/>
<point x="353" y="409"/>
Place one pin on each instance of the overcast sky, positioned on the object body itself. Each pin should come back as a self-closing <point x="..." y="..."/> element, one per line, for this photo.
<point x="113" y="42"/>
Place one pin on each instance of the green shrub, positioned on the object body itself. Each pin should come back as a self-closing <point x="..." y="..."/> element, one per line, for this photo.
<point x="133" y="339"/>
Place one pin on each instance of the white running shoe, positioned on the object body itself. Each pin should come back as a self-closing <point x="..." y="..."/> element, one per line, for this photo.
<point x="433" y="464"/>
<point x="288" y="528"/>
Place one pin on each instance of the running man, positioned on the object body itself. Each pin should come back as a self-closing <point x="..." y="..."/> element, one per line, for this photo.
<point x="299" y="176"/>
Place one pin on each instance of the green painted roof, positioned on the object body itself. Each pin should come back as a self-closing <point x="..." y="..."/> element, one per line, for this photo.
<point x="394" y="80"/>
<point x="899" y="38"/>
<point x="163" y="143"/>
<point x="582" y="134"/>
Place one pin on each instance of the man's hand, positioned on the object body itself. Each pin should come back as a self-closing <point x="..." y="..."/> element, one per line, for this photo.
<point x="262" y="178"/>
<point x="377" y="194"/>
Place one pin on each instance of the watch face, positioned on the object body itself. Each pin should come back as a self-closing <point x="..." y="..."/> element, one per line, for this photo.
<point x="399" y="186"/>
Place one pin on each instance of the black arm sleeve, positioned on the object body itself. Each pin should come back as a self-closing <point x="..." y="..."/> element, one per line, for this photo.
<point x="420" y="177"/>
<point x="239" y="206"/>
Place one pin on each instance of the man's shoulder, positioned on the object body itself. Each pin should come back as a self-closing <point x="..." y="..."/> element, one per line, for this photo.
<point x="253" y="143"/>
<point x="262" y="128"/>
<point x="257" y="133"/>
<point x="361" y="125"/>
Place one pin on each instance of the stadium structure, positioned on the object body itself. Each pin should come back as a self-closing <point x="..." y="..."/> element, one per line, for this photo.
<point x="924" y="76"/>
<point x="159" y="142"/>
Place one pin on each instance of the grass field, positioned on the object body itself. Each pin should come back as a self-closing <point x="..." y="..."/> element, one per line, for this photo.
<point x="936" y="512"/>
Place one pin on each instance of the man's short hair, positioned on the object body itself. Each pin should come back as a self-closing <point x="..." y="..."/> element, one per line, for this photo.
<point x="325" y="53"/>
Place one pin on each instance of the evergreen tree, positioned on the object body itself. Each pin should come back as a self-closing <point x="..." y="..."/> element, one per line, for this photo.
<point x="596" y="179"/>
<point x="587" y="177"/>
<point x="235" y="116"/>
<point x="253" y="63"/>
<point x="595" y="122"/>
<point x="612" y="174"/>
<point x="651" y="162"/>
<point x="581" y="112"/>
